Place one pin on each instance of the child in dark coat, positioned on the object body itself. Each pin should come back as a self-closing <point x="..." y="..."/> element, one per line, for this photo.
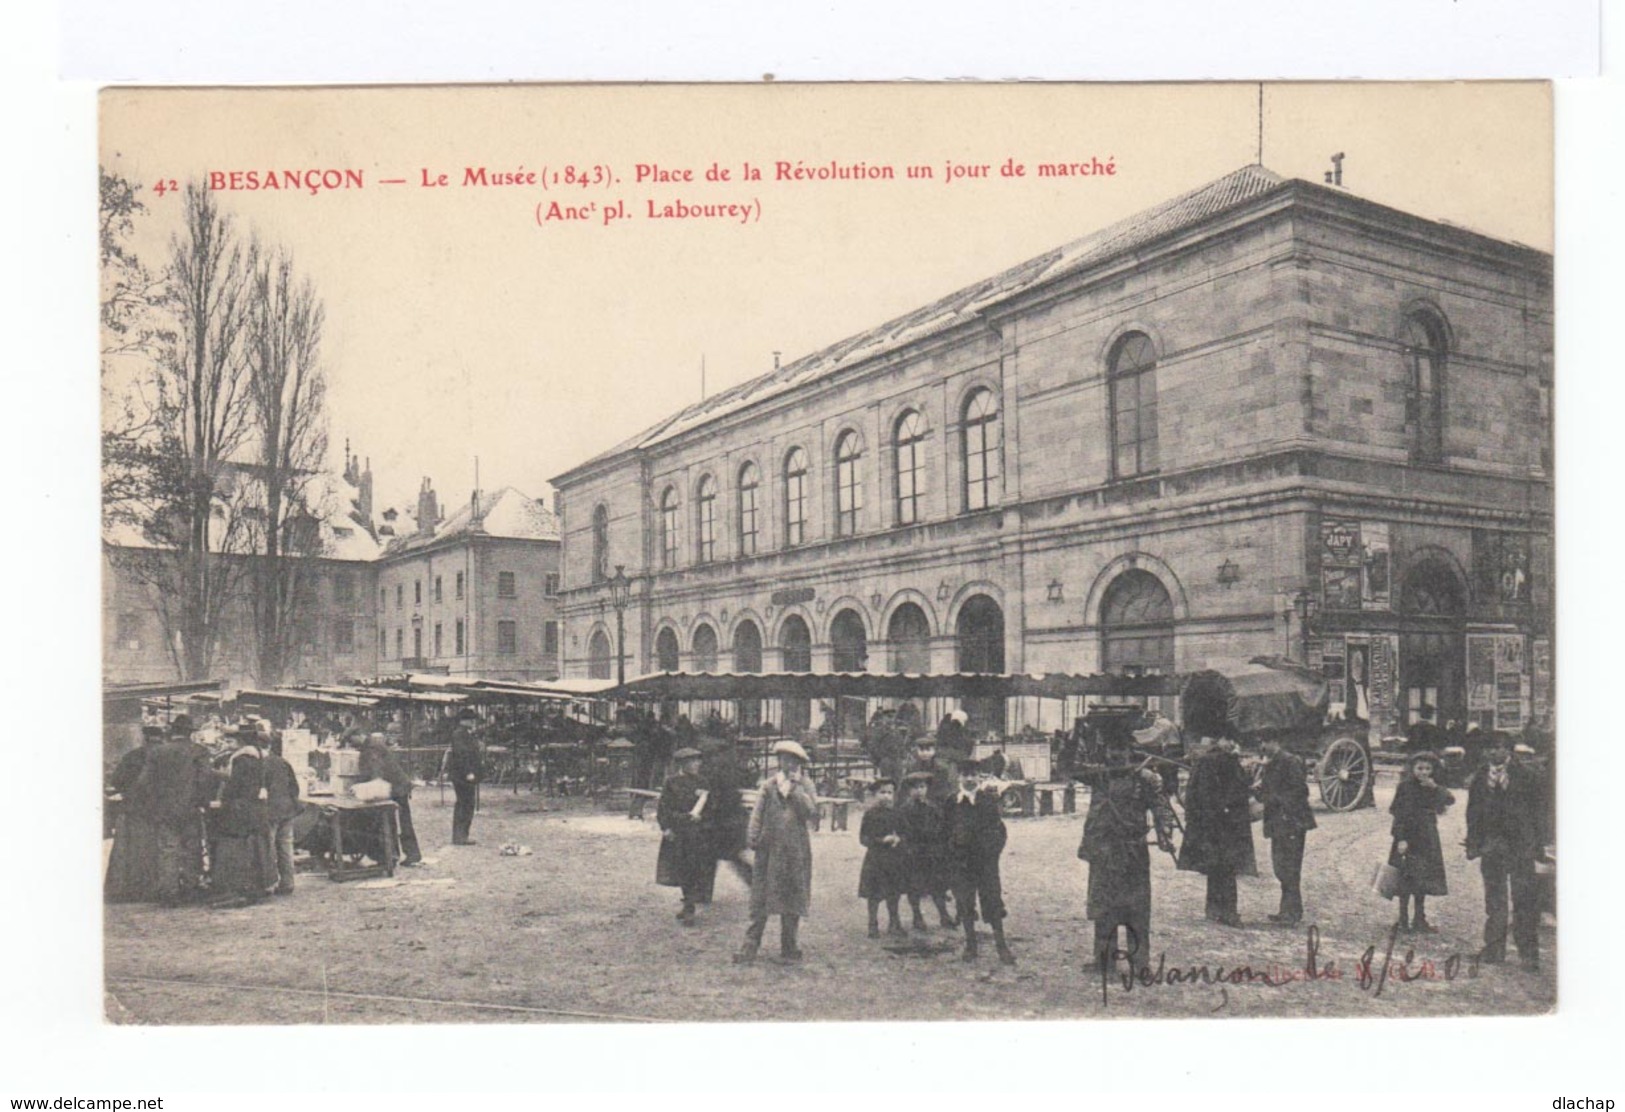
<point x="925" y="842"/>
<point x="976" y="837"/>
<point x="885" y="866"/>
<point x="1418" y="802"/>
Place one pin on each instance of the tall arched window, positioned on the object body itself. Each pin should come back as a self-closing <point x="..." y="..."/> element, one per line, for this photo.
<point x="1137" y="623"/>
<point x="795" y="651"/>
<point x="848" y="484"/>
<point x="668" y="528"/>
<point x="1424" y="358"/>
<point x="748" y="659"/>
<point x="795" y="497"/>
<point x="750" y="483"/>
<point x="848" y="642"/>
<point x="909" y="447"/>
<point x="705" y="649"/>
<point x="908" y="635"/>
<point x="1133" y="374"/>
<point x="979" y="637"/>
<point x="598" y="656"/>
<point x="600" y="543"/>
<point x="668" y="658"/>
<point x="705" y="521"/>
<point x="981" y="447"/>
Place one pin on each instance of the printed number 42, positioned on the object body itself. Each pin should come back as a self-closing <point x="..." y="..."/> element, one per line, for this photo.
<point x="165" y="186"/>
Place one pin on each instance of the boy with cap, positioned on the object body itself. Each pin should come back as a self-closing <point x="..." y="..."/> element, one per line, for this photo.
<point x="685" y="860"/>
<point x="885" y="865"/>
<point x="925" y="839"/>
<point x="976" y="837"/>
<point x="782" y="881"/>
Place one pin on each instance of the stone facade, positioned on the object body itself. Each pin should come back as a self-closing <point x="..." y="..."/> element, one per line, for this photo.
<point x="1263" y="394"/>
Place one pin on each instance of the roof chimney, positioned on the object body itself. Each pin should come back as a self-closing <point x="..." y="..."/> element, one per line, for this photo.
<point x="428" y="508"/>
<point x="1334" y="176"/>
<point x="775" y="360"/>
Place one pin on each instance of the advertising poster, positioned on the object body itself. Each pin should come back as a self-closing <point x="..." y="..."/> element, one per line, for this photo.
<point x="1340" y="588"/>
<point x="1358" y="694"/>
<point x="1540" y="665"/>
<point x="1384" y="678"/>
<point x="1481" y="671"/>
<point x="1375" y="566"/>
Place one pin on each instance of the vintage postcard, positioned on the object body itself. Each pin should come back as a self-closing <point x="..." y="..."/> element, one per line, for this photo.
<point x="845" y="552"/>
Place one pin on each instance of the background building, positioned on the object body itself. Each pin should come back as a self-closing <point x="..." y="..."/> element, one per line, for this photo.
<point x="473" y="594"/>
<point x="1264" y="417"/>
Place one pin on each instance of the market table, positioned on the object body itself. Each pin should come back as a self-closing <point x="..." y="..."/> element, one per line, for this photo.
<point x="385" y="817"/>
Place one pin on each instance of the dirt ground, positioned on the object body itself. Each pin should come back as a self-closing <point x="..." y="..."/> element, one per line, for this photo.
<point x="578" y="932"/>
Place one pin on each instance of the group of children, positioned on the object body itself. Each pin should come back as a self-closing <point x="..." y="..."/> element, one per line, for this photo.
<point x="925" y="848"/>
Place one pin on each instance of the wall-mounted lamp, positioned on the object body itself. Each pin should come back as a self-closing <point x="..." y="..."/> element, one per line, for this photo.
<point x="944" y="591"/>
<point x="876" y="599"/>
<point x="1057" y="593"/>
<point x="1229" y="573"/>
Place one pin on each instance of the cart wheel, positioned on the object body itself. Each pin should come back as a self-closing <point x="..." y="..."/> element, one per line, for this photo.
<point x="1012" y="803"/>
<point x="1344" y="774"/>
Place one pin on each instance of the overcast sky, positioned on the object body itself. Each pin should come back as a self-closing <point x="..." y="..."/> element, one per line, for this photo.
<point x="459" y="327"/>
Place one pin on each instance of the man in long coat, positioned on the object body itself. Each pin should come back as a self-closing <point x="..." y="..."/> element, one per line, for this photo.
<point x="466" y="767"/>
<point x="686" y="859"/>
<point x="1506" y="808"/>
<point x="176" y="783"/>
<point x="782" y="884"/>
<point x="976" y="838"/>
<point x="1114" y="830"/>
<point x="378" y="762"/>
<point x="1283" y="788"/>
<point x="1218" y="828"/>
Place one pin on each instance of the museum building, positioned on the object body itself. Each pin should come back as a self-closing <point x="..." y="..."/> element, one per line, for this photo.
<point x="1267" y="417"/>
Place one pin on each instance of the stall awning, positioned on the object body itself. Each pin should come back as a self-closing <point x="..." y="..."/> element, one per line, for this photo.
<point x="134" y="694"/>
<point x="862" y="685"/>
<point x="305" y="695"/>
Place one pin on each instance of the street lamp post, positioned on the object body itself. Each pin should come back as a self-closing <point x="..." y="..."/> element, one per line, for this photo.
<point x="620" y="590"/>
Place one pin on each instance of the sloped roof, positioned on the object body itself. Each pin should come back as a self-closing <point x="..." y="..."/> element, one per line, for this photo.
<point x="1187" y="210"/>
<point x="509" y="514"/>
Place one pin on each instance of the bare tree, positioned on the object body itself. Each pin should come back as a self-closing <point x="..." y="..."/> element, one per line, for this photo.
<point x="287" y="392"/>
<point x="182" y="489"/>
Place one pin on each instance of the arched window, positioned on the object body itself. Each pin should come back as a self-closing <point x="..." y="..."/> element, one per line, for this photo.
<point x="795" y="651"/>
<point x="668" y="658"/>
<point x="705" y="521"/>
<point x="908" y="635"/>
<point x="705" y="649"/>
<point x="909" y="446"/>
<point x="1133" y="374"/>
<point x="848" y="484"/>
<point x="600" y="543"/>
<point x="748" y="659"/>
<point x="599" y="665"/>
<point x="795" y="497"/>
<point x="981" y="447"/>
<point x="668" y="528"/>
<point x="750" y="483"/>
<point x="848" y="642"/>
<point x="979" y="637"/>
<point x="1424" y="358"/>
<point x="1137" y="622"/>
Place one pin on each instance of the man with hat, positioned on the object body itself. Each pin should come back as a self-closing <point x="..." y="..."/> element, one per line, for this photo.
<point x="1120" y="798"/>
<point x="686" y="860"/>
<point x="1218" y="827"/>
<point x="244" y="860"/>
<point x="1283" y="789"/>
<point x="926" y="757"/>
<point x="283" y="803"/>
<point x="976" y="838"/>
<point x="465" y="766"/>
<point x="925" y="836"/>
<point x="176" y="783"/>
<point x="378" y="762"/>
<point x="1506" y="807"/>
<point x="782" y="884"/>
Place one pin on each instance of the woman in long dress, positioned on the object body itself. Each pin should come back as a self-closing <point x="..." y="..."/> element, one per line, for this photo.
<point x="243" y="869"/>
<point x="1418" y="802"/>
<point x="132" y="869"/>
